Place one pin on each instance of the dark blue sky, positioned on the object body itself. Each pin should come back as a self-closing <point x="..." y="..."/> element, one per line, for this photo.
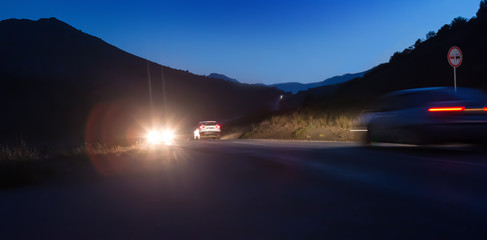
<point x="255" y="41"/>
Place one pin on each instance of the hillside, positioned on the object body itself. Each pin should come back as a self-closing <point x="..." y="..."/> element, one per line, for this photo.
<point x="328" y="112"/>
<point x="423" y="64"/>
<point x="60" y="84"/>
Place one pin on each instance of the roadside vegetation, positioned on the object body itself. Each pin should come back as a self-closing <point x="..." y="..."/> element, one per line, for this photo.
<point x="305" y="125"/>
<point x="20" y="152"/>
<point x="24" y="165"/>
<point x="101" y="149"/>
<point x="21" y="164"/>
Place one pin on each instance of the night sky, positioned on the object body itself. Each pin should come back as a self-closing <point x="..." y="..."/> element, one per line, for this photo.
<point x="255" y="41"/>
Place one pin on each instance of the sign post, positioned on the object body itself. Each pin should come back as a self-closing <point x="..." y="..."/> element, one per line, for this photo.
<point x="455" y="58"/>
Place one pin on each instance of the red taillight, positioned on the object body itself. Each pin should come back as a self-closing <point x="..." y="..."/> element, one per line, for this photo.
<point x="446" y="109"/>
<point x="218" y="126"/>
<point x="485" y="108"/>
<point x="202" y="126"/>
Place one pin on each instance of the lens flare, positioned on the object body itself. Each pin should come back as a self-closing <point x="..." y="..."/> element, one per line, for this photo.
<point x="154" y="137"/>
<point x="160" y="137"/>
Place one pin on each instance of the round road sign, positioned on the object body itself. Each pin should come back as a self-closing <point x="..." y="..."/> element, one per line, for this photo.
<point x="455" y="56"/>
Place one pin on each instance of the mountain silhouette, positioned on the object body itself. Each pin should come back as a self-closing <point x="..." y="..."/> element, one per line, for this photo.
<point x="295" y="87"/>
<point x="60" y="84"/>
<point x="222" y="77"/>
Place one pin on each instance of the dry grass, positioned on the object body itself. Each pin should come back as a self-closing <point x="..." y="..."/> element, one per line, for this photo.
<point x="23" y="165"/>
<point x="20" y="152"/>
<point x="20" y="165"/>
<point x="100" y="149"/>
<point x="306" y="125"/>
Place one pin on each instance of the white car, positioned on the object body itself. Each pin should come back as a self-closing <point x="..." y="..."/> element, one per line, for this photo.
<point x="207" y="129"/>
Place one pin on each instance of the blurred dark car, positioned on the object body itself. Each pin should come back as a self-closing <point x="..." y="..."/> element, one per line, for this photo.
<point x="428" y="116"/>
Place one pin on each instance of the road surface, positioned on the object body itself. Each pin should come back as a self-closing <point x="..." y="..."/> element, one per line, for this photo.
<point x="260" y="189"/>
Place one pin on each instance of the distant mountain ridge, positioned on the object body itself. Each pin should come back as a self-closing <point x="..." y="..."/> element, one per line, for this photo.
<point x="222" y="77"/>
<point x="295" y="87"/>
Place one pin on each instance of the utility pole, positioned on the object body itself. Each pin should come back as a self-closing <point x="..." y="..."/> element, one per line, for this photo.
<point x="150" y="92"/>
<point x="164" y="92"/>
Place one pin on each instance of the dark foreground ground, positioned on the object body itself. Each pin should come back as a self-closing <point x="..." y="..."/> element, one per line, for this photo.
<point x="256" y="189"/>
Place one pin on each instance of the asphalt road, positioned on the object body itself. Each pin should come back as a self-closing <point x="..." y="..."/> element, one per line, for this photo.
<point x="256" y="189"/>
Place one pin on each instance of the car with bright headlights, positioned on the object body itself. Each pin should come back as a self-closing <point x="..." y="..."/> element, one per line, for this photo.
<point x="157" y="137"/>
<point x="207" y="129"/>
<point x="436" y="115"/>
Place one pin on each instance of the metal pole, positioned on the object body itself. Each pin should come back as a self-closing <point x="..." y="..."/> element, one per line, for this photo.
<point x="455" y="78"/>
<point x="150" y="90"/>
<point x="163" y="88"/>
<point x="164" y="94"/>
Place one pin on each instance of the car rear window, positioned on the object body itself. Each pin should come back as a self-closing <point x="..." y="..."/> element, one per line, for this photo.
<point x="209" y="123"/>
